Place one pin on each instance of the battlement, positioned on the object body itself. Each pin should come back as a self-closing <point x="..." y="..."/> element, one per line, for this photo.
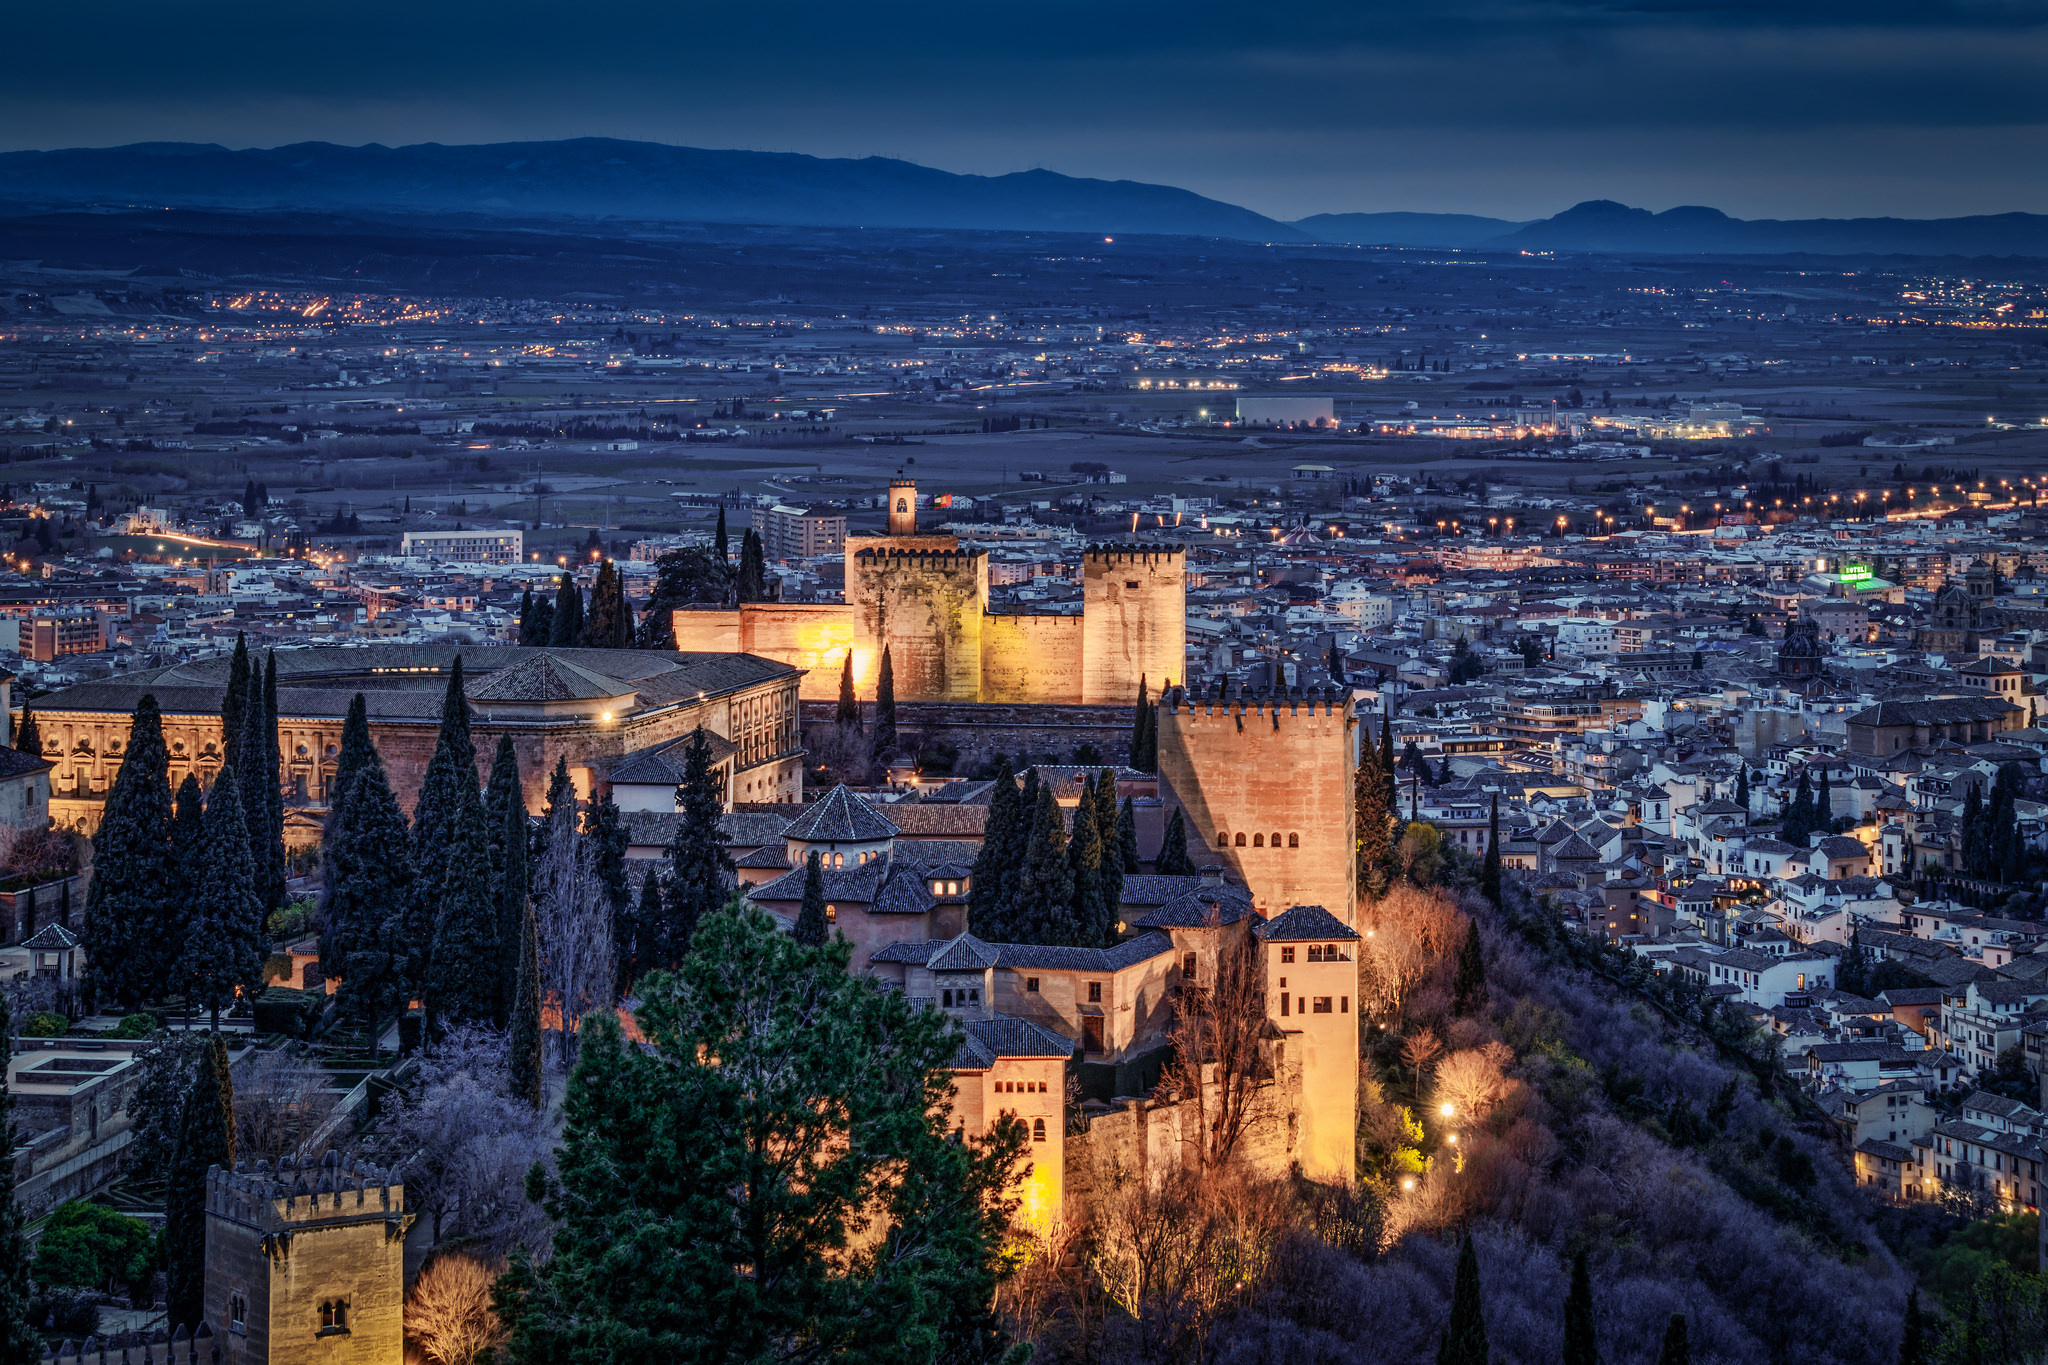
<point x="893" y="557"/>
<point x="1132" y="554"/>
<point x="138" y="1348"/>
<point x="296" y="1196"/>
<point x="1323" y="701"/>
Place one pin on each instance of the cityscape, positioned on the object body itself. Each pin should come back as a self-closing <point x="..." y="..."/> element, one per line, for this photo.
<point x="618" y="752"/>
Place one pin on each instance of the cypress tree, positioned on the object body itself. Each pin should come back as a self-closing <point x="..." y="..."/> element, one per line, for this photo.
<point x="370" y="888"/>
<point x="523" y="1041"/>
<point x="810" y="920"/>
<point x="610" y="622"/>
<point x="233" y="702"/>
<point x="561" y="791"/>
<point x="700" y="871"/>
<point x="1112" y="867"/>
<point x="1370" y="792"/>
<point x="885" y="710"/>
<point x="988" y="885"/>
<point x="186" y="865"/>
<point x="752" y="582"/>
<point x="1019" y="855"/>
<point x="605" y="825"/>
<point x="1742" y="788"/>
<point x="1798" y="818"/>
<point x="1489" y="872"/>
<point x="28" y="736"/>
<point x="526" y="615"/>
<point x="1127" y="838"/>
<point x="19" y="1343"/>
<point x="1173" y="860"/>
<point x="1580" y="1345"/>
<point x="1045" y="890"/>
<point x="451" y="770"/>
<point x="463" y="977"/>
<point x="1468" y="984"/>
<point x="719" y="542"/>
<point x="501" y="789"/>
<point x="1139" y="731"/>
<point x="638" y="951"/>
<point x="849" y="705"/>
<point x="1676" y="1350"/>
<point x="1913" y="1340"/>
<point x="206" y="1138"/>
<point x="224" y="947"/>
<point x="1084" y="871"/>
<point x="1823" y="808"/>
<point x="513" y="891"/>
<point x="1387" y="754"/>
<point x="129" y="901"/>
<point x="274" y="876"/>
<point x="542" y="629"/>
<point x="567" y="626"/>
<point x="357" y="753"/>
<point x="1464" y="1341"/>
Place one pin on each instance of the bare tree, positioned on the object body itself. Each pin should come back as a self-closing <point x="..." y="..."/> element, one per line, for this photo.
<point x="1181" y="1258"/>
<point x="574" y="918"/>
<point x="1411" y="933"/>
<point x="1474" y="1079"/>
<point x="1219" y="1055"/>
<point x="278" y="1104"/>
<point x="448" y="1315"/>
<point x="1419" y="1052"/>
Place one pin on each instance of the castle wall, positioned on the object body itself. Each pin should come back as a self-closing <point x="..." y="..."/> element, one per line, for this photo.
<point x="1034" y="660"/>
<point x="925" y="608"/>
<point x="1269" y="767"/>
<point x="699" y="631"/>
<point x="285" y="1258"/>
<point x="1135" y="600"/>
<point x="990" y="728"/>
<point x="809" y="635"/>
<point x="1326" y="1046"/>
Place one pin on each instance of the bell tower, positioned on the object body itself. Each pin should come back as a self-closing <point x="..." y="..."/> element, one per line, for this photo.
<point x="902" y="505"/>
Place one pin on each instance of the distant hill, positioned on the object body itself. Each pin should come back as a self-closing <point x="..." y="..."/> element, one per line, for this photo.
<point x="1605" y="226"/>
<point x="607" y="178"/>
<point x="1406" y="229"/>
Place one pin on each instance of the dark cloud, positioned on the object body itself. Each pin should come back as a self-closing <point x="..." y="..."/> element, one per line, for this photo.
<point x="1509" y="106"/>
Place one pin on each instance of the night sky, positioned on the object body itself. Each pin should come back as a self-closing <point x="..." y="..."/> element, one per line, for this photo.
<point x="1515" y="109"/>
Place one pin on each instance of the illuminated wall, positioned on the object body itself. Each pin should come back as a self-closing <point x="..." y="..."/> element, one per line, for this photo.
<point x="1031" y="659"/>
<point x="925" y="607"/>
<point x="1035" y="1090"/>
<point x="1325" y="1046"/>
<point x="1136" y="605"/>
<point x="1242" y="773"/>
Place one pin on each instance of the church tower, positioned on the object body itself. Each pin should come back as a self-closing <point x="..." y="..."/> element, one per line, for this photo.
<point x="902" y="506"/>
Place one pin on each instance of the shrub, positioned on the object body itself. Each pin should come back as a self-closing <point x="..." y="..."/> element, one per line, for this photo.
<point x="66" y="1311"/>
<point x="138" y="1025"/>
<point x="280" y="1009"/>
<point x="90" y="1245"/>
<point x="44" y="1024"/>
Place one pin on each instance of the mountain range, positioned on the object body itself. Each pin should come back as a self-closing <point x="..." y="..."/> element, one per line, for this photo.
<point x="610" y="179"/>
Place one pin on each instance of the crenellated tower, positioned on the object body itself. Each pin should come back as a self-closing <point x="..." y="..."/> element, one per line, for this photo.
<point x="1134" y="621"/>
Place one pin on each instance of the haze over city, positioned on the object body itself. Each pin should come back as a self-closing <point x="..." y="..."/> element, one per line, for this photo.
<point x="1079" y="686"/>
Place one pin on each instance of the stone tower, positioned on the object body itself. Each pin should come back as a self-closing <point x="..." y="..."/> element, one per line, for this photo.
<point x="902" y="506"/>
<point x="925" y="607"/>
<point x="1134" y="621"/>
<point x="1265" y="781"/>
<point x="306" y="1264"/>
<point x="1311" y="974"/>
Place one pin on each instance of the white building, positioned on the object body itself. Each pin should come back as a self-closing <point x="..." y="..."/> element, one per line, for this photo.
<point x="465" y="547"/>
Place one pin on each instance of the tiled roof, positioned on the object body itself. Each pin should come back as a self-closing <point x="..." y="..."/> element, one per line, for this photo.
<point x="1945" y="711"/>
<point x="1195" y="908"/>
<point x="918" y="820"/>
<point x="52" y="938"/>
<point x="963" y="953"/>
<point x="662" y="765"/>
<point x="986" y="1040"/>
<point x="544" y="677"/>
<point x="1301" y="923"/>
<point x="841" y="818"/>
<point x="15" y="763"/>
<point x="1032" y="956"/>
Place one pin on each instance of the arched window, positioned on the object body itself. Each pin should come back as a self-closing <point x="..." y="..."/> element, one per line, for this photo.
<point x="1294" y="841"/>
<point x="945" y="1000"/>
<point x="903" y="504"/>
<point x="1240" y="839"/>
<point x="839" y="860"/>
<point x="1038" y="1130"/>
<point x="1258" y="840"/>
<point x="1276" y="838"/>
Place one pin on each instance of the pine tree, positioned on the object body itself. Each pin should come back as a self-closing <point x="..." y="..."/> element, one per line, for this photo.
<point x="885" y="710"/>
<point x="1091" y="926"/>
<point x="1112" y="867"/>
<point x="988" y="884"/>
<point x="1045" y="888"/>
<point x="1489" y="871"/>
<point x="524" y="1079"/>
<point x="1173" y="860"/>
<point x="206" y="1138"/>
<point x="224" y="946"/>
<point x="370" y="887"/>
<point x="1581" y="1347"/>
<point x="463" y="985"/>
<point x="1913" y="1340"/>
<point x="1464" y="1341"/>
<point x="1127" y="838"/>
<point x="810" y="920"/>
<point x="1676" y="1350"/>
<point x="1468" y="985"/>
<point x="849" y="705"/>
<point x="28" y="736"/>
<point x="567" y="626"/>
<point x="19" y="1342"/>
<point x="129" y="900"/>
<point x="700" y="871"/>
<point x="233" y="702"/>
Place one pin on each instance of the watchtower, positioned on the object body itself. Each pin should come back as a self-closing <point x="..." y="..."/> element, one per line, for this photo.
<point x="1265" y="780"/>
<point x="925" y="607"/>
<point x="1134" y="626"/>
<point x="902" y="505"/>
<point x="306" y="1263"/>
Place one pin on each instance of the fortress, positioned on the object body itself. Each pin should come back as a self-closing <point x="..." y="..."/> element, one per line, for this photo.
<point x="925" y="599"/>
